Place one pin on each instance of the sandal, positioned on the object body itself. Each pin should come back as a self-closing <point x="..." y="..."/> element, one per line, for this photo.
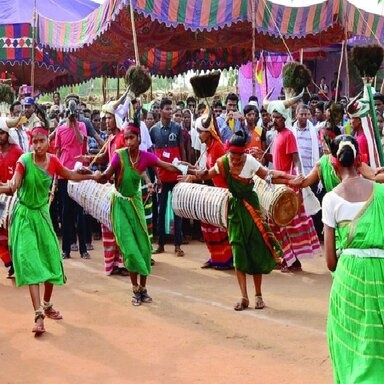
<point x="179" y="252"/>
<point x="259" y="302"/>
<point x="50" y="312"/>
<point x="159" y="249"/>
<point x="145" y="298"/>
<point x="206" y="265"/>
<point x="243" y="304"/>
<point x="38" y="328"/>
<point x="136" y="297"/>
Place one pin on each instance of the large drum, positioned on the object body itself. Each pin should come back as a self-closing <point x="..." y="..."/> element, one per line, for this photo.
<point x="201" y="202"/>
<point x="6" y="207"/>
<point x="279" y="202"/>
<point x="94" y="198"/>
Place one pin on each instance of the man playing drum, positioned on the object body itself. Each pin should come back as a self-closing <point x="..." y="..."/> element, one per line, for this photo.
<point x="299" y="238"/>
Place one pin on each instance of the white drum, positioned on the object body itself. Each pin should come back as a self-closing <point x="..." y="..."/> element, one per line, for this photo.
<point x="95" y="199"/>
<point x="201" y="202"/>
<point x="6" y="207"/>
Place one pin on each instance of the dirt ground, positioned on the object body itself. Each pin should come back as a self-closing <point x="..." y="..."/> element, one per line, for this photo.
<point x="189" y="334"/>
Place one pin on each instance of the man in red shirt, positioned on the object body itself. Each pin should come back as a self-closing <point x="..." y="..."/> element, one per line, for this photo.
<point x="299" y="238"/>
<point x="9" y="154"/>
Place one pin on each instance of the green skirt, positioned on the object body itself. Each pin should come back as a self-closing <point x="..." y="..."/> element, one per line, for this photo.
<point x="250" y="253"/>
<point x="34" y="247"/>
<point x="355" y="328"/>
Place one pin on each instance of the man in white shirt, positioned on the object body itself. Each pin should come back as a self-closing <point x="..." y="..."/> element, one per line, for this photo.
<point x="309" y="152"/>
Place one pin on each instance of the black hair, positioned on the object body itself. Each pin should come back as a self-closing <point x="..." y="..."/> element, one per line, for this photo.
<point x="345" y="155"/>
<point x="165" y="101"/>
<point x="217" y="104"/>
<point x="13" y="105"/>
<point x="378" y="96"/>
<point x="181" y="104"/>
<point x="249" y="107"/>
<point x="320" y="106"/>
<point x="232" y="96"/>
<point x="144" y="113"/>
<point x="94" y="113"/>
<point x="201" y="106"/>
<point x="315" y="97"/>
<point x="253" y="98"/>
<point x="191" y="99"/>
<point x="263" y="110"/>
<point x="238" y="139"/>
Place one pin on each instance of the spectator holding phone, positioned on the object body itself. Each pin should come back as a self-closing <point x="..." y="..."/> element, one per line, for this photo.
<point x="230" y="122"/>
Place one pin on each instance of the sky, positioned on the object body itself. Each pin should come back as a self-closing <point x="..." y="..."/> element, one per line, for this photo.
<point x="368" y="5"/>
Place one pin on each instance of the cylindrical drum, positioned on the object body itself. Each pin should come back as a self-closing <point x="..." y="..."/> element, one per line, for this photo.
<point x="6" y="207"/>
<point x="201" y="202"/>
<point x="94" y="198"/>
<point x="278" y="201"/>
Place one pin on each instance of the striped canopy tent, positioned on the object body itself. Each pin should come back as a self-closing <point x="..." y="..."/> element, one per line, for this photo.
<point x="171" y="33"/>
<point x="16" y="39"/>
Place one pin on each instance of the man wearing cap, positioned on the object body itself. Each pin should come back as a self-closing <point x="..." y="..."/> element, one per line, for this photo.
<point x="9" y="154"/>
<point x="29" y="112"/>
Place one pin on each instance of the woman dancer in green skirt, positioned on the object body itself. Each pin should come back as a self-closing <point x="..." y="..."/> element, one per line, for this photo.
<point x="354" y="212"/>
<point x="255" y="249"/>
<point x="127" y="210"/>
<point x="33" y="243"/>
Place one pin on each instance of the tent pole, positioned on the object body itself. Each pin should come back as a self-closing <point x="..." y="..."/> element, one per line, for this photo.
<point x="253" y="10"/>
<point x="33" y="47"/>
<point x="134" y="35"/>
<point x="337" y="96"/>
<point x="347" y="82"/>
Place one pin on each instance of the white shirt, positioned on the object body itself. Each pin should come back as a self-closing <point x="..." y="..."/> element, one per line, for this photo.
<point x="20" y="137"/>
<point x="250" y="167"/>
<point x="337" y="209"/>
<point x="146" y="141"/>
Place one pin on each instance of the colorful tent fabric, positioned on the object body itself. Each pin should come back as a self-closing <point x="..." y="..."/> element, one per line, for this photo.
<point x="212" y="15"/>
<point x="16" y="39"/>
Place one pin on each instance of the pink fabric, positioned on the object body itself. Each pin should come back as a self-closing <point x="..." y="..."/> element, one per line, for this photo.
<point x="283" y="147"/>
<point x="66" y="142"/>
<point x="147" y="159"/>
<point x="363" y="146"/>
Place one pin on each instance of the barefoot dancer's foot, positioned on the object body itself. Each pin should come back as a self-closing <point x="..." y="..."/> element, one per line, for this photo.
<point x="243" y="304"/>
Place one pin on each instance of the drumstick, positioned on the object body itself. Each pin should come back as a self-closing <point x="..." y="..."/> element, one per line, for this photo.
<point x="99" y="154"/>
<point x="201" y="155"/>
<point x="266" y="151"/>
<point x="52" y="191"/>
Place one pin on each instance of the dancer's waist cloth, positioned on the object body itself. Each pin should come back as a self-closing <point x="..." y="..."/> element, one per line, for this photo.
<point x="368" y="253"/>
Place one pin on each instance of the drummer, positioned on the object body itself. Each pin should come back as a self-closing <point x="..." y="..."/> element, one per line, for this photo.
<point x="9" y="154"/>
<point x="299" y="238"/>
<point x="255" y="249"/>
